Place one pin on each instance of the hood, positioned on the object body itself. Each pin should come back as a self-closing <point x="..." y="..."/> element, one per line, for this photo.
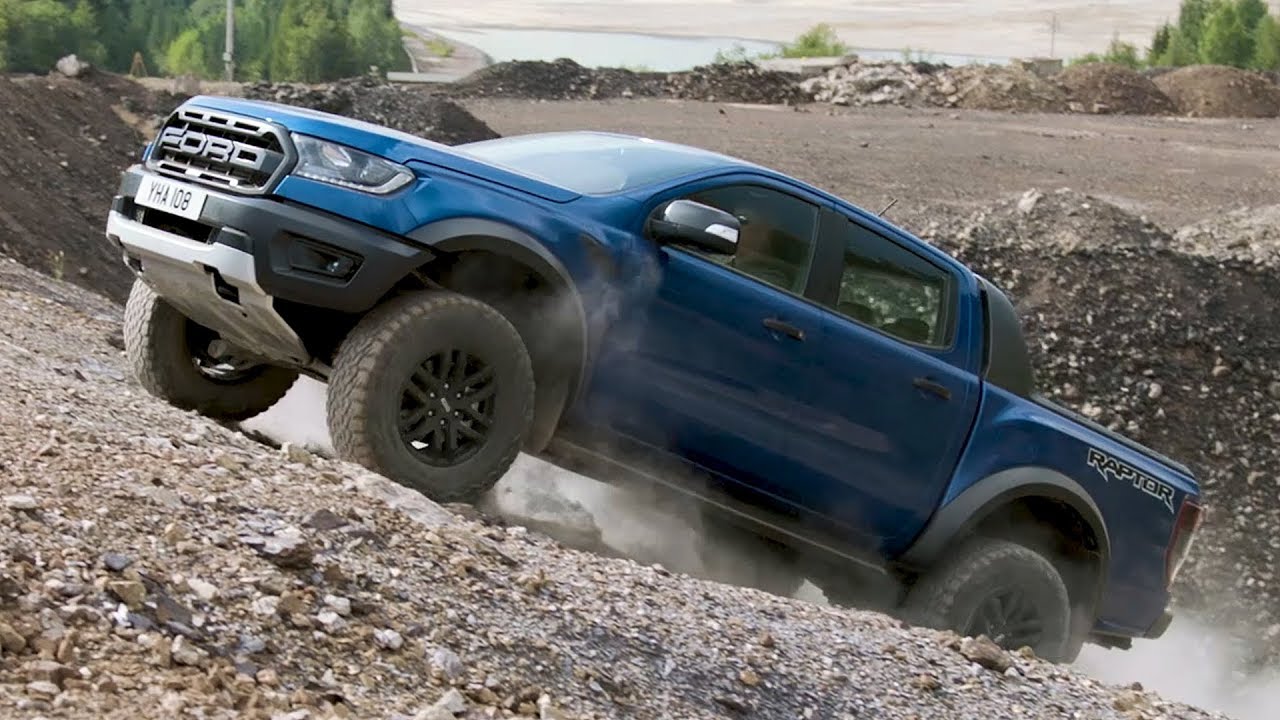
<point x="383" y="141"/>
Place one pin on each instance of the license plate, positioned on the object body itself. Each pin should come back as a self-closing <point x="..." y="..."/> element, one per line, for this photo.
<point x="171" y="197"/>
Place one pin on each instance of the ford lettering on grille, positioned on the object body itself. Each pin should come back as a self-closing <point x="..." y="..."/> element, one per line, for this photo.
<point x="219" y="149"/>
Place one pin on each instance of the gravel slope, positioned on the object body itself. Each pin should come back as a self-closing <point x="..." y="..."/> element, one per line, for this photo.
<point x="156" y="564"/>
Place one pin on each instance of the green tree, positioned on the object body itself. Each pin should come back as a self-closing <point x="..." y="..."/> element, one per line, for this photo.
<point x="5" y="11"/>
<point x="41" y="31"/>
<point x="1191" y="19"/>
<point x="275" y="39"/>
<point x="186" y="54"/>
<point x="255" y="28"/>
<point x="1266" y="44"/>
<point x="1181" y="51"/>
<point x="1122" y="53"/>
<point x="1160" y="43"/>
<point x="1225" y="40"/>
<point x="311" y="44"/>
<point x="1251" y="12"/>
<point x="375" y="34"/>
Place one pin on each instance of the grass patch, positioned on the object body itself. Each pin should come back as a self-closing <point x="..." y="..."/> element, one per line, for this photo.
<point x="439" y="47"/>
<point x="820" y="40"/>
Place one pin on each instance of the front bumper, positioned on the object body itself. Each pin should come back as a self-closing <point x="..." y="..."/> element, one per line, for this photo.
<point x="227" y="269"/>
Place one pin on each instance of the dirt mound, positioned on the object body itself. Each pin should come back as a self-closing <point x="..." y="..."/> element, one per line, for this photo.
<point x="1177" y="351"/>
<point x="410" y="110"/>
<point x="976" y="87"/>
<point x="561" y="79"/>
<point x="1220" y="91"/>
<point x="565" y="79"/>
<point x="990" y="87"/>
<point x="1105" y="88"/>
<point x="1247" y="235"/>
<point x="736" y="82"/>
<point x="63" y="143"/>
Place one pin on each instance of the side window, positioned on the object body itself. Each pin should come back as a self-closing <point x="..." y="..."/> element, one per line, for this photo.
<point x="777" y="239"/>
<point x="892" y="289"/>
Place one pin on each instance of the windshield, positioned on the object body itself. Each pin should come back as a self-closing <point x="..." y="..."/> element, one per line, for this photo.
<point x="593" y="163"/>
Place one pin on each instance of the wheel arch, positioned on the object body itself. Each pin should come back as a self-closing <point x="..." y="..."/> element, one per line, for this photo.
<point x="473" y="256"/>
<point x="996" y="501"/>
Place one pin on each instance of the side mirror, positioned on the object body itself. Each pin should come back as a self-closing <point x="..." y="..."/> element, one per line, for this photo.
<point x="685" y="222"/>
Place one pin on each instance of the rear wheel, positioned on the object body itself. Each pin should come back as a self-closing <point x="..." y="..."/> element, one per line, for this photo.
<point x="998" y="588"/>
<point x="434" y="390"/>
<point x="191" y="367"/>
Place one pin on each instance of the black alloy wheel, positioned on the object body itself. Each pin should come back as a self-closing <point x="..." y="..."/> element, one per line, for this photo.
<point x="1009" y="617"/>
<point x="447" y="407"/>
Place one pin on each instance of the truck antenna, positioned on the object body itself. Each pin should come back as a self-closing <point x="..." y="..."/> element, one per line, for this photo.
<point x="886" y="207"/>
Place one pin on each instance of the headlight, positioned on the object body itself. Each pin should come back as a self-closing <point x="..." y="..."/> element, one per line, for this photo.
<point x="341" y="165"/>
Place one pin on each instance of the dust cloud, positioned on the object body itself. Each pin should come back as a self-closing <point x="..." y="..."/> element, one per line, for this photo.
<point x="1194" y="663"/>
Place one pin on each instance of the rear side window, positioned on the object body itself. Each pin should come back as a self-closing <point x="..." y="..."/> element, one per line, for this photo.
<point x="894" y="290"/>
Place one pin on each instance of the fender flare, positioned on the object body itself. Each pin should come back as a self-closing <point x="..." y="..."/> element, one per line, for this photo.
<point x="982" y="498"/>
<point x="456" y="235"/>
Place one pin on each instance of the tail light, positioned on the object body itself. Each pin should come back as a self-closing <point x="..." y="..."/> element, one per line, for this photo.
<point x="1190" y="515"/>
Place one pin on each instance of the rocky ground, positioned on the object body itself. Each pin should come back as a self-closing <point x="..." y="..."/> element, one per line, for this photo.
<point x="1200" y="91"/>
<point x="565" y="79"/>
<point x="156" y="564"/>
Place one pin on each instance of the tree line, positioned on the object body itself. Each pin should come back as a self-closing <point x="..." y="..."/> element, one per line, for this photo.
<point x="277" y="40"/>
<point x="1239" y="33"/>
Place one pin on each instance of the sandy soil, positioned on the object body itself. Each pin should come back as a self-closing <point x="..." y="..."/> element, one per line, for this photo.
<point x="1174" y="170"/>
<point x="999" y="27"/>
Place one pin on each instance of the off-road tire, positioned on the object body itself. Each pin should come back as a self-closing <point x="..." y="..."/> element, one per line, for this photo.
<point x="379" y="356"/>
<point x="949" y="596"/>
<point x="156" y="344"/>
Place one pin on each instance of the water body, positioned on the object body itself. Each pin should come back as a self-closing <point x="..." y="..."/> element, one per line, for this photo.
<point x="661" y="53"/>
<point x="945" y="28"/>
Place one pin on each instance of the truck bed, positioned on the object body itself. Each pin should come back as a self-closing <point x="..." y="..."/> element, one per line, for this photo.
<point x="1165" y="460"/>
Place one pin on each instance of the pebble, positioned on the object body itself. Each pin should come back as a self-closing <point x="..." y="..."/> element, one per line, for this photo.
<point x="388" y="639"/>
<point x="21" y="502"/>
<point x="129" y="592"/>
<point x="340" y="605"/>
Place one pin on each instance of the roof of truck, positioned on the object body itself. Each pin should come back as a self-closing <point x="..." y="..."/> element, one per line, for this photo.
<point x="594" y="162"/>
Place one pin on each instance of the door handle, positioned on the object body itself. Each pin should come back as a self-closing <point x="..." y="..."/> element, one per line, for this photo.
<point x="930" y="386"/>
<point x="784" y="327"/>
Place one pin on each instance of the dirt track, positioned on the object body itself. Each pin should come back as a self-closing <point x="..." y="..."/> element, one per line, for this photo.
<point x="1174" y="170"/>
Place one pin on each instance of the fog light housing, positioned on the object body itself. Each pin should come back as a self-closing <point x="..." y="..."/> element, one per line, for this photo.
<point x="317" y="258"/>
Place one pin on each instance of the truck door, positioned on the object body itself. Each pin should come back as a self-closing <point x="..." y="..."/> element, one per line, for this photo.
<point x="891" y="412"/>
<point x="712" y="364"/>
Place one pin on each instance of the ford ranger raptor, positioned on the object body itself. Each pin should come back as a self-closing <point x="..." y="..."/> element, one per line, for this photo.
<point x="802" y="371"/>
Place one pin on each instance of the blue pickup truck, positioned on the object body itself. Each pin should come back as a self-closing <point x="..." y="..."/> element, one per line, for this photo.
<point x="810" y="376"/>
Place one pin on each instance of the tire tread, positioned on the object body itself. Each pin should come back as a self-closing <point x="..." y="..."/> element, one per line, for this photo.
<point x="355" y="376"/>
<point x="147" y="321"/>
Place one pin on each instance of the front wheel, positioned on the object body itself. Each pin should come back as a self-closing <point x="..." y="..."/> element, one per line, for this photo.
<point x="173" y="358"/>
<point x="434" y="390"/>
<point x="998" y="588"/>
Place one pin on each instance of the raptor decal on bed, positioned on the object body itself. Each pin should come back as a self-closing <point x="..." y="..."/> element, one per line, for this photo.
<point x="1109" y="467"/>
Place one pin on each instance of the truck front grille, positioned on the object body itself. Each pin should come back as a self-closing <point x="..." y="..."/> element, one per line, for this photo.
<point x="228" y="152"/>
